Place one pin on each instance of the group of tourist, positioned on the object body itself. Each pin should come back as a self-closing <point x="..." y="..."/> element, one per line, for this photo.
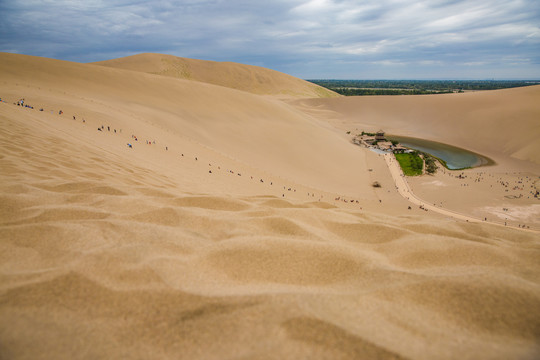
<point x="519" y="186"/>
<point x="130" y="145"/>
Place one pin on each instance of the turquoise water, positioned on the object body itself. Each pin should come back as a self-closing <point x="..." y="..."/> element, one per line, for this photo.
<point x="456" y="158"/>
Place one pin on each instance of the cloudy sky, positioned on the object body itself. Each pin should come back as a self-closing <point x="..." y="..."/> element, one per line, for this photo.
<point x="311" y="39"/>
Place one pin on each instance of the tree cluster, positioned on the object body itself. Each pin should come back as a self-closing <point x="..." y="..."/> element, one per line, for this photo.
<point x="431" y="164"/>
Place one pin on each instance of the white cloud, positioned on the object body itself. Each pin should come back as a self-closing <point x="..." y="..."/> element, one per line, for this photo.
<point x="313" y="6"/>
<point x="283" y="34"/>
<point x="389" y="62"/>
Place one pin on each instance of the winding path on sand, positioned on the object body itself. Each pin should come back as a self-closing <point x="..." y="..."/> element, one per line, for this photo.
<point x="405" y="191"/>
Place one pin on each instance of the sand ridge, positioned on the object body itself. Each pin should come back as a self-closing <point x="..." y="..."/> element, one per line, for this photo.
<point x="247" y="78"/>
<point x="231" y="124"/>
<point x="111" y="251"/>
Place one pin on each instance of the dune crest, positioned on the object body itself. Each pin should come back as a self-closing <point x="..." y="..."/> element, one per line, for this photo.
<point x="249" y="78"/>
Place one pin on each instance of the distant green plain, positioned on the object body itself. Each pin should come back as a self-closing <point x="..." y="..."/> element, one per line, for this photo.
<point x="416" y="87"/>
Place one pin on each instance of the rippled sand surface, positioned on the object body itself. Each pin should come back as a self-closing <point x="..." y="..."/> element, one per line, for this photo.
<point x="111" y="252"/>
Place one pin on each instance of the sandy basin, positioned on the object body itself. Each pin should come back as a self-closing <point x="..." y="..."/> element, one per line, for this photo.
<point x="455" y="158"/>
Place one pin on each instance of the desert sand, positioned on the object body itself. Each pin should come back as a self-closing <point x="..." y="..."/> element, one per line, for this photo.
<point x="253" y="79"/>
<point x="242" y="222"/>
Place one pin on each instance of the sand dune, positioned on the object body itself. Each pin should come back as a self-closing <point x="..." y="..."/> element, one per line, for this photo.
<point x="253" y="79"/>
<point x="249" y="128"/>
<point x="248" y="230"/>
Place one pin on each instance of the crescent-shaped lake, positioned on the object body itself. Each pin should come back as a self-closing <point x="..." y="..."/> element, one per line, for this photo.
<point x="456" y="158"/>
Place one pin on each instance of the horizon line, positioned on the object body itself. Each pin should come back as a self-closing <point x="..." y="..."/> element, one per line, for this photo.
<point x="427" y="79"/>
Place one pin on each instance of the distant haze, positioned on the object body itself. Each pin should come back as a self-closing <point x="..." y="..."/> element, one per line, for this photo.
<point x="317" y="39"/>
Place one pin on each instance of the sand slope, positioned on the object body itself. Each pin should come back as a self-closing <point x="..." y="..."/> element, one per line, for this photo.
<point x="182" y="252"/>
<point x="253" y="79"/>
<point x="256" y="130"/>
